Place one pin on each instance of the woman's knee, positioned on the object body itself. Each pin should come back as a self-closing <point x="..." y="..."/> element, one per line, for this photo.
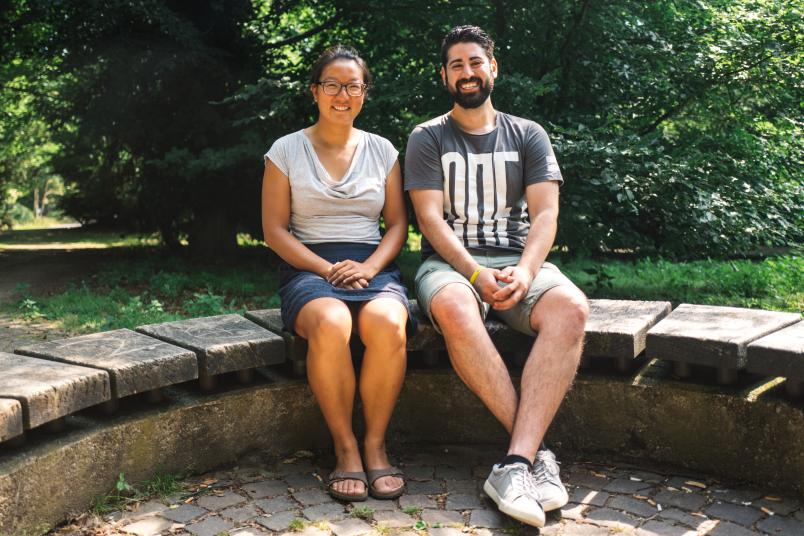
<point x="328" y="322"/>
<point x="383" y="325"/>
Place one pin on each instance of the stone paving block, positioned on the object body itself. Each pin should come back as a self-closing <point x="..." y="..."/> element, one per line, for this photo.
<point x="646" y="476"/>
<point x="779" y="354"/>
<point x="211" y="526"/>
<point x="417" y="501"/>
<point x="242" y="513"/>
<point x="147" y="509"/>
<point x="606" y="517"/>
<point x="453" y="473"/>
<point x="394" y="519"/>
<point x="781" y="525"/>
<point x="148" y="527"/>
<point x="690" y="502"/>
<point x="712" y="335"/>
<point x="219" y="502"/>
<point x="376" y="504"/>
<point x="278" y="521"/>
<point x="471" y="487"/>
<point x="581" y="530"/>
<point x="10" y="419"/>
<point x="724" y="528"/>
<point x="573" y="511"/>
<point x="442" y="517"/>
<point x="277" y="504"/>
<point x="135" y="362"/>
<point x="329" y="511"/>
<point x="222" y="343"/>
<point x="740" y="496"/>
<point x="184" y="513"/>
<point x="588" y="496"/>
<point x="247" y="531"/>
<point x="783" y="507"/>
<point x="311" y="497"/>
<point x="265" y="488"/>
<point x="491" y="519"/>
<point x="617" y="328"/>
<point x="633" y="506"/>
<point x="678" y="516"/>
<point x="625" y="485"/>
<point x="299" y="481"/>
<point x="419" y="472"/>
<point x="585" y="479"/>
<point x="463" y="501"/>
<point x="48" y="390"/>
<point x="350" y="527"/>
<point x="742" y="515"/>
<point x="661" y="528"/>
<point x="445" y="531"/>
<point x="429" y="487"/>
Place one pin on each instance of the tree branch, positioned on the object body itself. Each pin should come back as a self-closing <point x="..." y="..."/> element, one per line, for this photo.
<point x="304" y="35"/>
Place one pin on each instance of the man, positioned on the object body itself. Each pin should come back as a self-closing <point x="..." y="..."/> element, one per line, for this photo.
<point x="484" y="186"/>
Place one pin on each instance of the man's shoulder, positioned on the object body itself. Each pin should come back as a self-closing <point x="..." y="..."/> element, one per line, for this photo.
<point x="520" y="124"/>
<point x="434" y="126"/>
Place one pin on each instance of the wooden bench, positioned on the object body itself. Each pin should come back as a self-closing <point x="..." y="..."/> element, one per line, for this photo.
<point x="616" y="329"/>
<point x="712" y="336"/>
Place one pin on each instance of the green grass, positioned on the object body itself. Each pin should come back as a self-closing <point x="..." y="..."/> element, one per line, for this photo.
<point x="124" y="493"/>
<point x="72" y="238"/>
<point x="149" y="287"/>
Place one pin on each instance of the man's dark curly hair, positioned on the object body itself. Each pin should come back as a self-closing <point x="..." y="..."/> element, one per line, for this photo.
<point x="467" y="34"/>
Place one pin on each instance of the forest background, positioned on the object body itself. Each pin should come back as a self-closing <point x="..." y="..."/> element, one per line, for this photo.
<point x="677" y="123"/>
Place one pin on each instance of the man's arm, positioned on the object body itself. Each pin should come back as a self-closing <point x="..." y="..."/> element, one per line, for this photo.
<point x="542" y="200"/>
<point x="429" y="208"/>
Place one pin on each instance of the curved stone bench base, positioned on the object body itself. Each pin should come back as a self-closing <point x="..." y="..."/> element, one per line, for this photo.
<point x="719" y="433"/>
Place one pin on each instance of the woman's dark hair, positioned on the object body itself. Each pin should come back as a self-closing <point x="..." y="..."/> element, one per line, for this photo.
<point x="339" y="52"/>
<point x="467" y="34"/>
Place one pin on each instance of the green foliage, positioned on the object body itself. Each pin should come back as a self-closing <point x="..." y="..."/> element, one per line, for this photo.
<point x="124" y="493"/>
<point x="412" y="510"/>
<point x="362" y="512"/>
<point x="296" y="525"/>
<point x="676" y="123"/>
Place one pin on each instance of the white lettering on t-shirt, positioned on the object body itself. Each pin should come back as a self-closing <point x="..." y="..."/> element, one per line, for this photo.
<point x="465" y="202"/>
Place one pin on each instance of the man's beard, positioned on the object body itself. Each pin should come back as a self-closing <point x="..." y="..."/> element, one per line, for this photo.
<point x="471" y="100"/>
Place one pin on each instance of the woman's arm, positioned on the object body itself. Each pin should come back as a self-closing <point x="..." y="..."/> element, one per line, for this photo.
<point x="275" y="222"/>
<point x="396" y="232"/>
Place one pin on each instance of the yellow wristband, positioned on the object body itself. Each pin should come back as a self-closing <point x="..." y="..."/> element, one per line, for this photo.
<point x="476" y="273"/>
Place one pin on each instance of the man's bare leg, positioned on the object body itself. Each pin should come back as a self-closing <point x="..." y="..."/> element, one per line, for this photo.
<point x="559" y="317"/>
<point x="473" y="355"/>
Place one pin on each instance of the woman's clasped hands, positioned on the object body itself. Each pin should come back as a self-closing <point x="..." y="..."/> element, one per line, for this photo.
<point x="350" y="274"/>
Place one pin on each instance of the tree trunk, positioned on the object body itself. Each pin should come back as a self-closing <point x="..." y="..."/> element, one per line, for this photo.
<point x="213" y="235"/>
<point x="36" y="201"/>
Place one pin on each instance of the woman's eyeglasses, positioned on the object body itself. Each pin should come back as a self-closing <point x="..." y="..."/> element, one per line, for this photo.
<point x="353" y="89"/>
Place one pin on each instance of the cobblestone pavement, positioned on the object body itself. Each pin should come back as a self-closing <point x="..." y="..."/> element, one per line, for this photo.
<point x="444" y="498"/>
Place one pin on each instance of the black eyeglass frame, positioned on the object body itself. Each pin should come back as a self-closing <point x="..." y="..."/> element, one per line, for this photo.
<point x="363" y="87"/>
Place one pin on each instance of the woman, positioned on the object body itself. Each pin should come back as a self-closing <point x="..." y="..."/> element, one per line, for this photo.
<point x="324" y="189"/>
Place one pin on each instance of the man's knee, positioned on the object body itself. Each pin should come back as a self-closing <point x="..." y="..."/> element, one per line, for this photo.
<point x="453" y="306"/>
<point x="562" y="311"/>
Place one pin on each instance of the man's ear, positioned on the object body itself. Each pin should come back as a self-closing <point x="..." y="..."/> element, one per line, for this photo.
<point x="493" y="67"/>
<point x="443" y="75"/>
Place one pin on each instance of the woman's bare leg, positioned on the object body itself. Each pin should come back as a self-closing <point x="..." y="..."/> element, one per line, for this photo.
<point x="381" y="325"/>
<point x="326" y="323"/>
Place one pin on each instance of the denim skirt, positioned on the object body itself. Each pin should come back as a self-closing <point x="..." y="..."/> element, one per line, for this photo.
<point x="297" y="287"/>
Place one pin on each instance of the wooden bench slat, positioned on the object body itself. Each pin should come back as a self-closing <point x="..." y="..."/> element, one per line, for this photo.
<point x="49" y="390"/>
<point x="223" y="343"/>
<point x="712" y="335"/>
<point x="618" y="328"/>
<point x="10" y="419"/>
<point x="779" y="354"/>
<point x="135" y="362"/>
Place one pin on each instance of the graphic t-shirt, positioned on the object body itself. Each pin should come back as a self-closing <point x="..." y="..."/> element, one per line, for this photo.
<point x="483" y="177"/>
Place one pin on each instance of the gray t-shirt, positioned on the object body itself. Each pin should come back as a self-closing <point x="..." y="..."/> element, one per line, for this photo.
<point x="483" y="177"/>
<point x="323" y="210"/>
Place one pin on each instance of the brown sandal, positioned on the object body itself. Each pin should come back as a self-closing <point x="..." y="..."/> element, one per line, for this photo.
<point x="374" y="474"/>
<point x="340" y="476"/>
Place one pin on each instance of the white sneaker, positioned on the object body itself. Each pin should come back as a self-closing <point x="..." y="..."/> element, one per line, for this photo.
<point x="511" y="487"/>
<point x="550" y="492"/>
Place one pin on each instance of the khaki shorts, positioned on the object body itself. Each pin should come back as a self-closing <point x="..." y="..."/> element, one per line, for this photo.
<point x="435" y="273"/>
